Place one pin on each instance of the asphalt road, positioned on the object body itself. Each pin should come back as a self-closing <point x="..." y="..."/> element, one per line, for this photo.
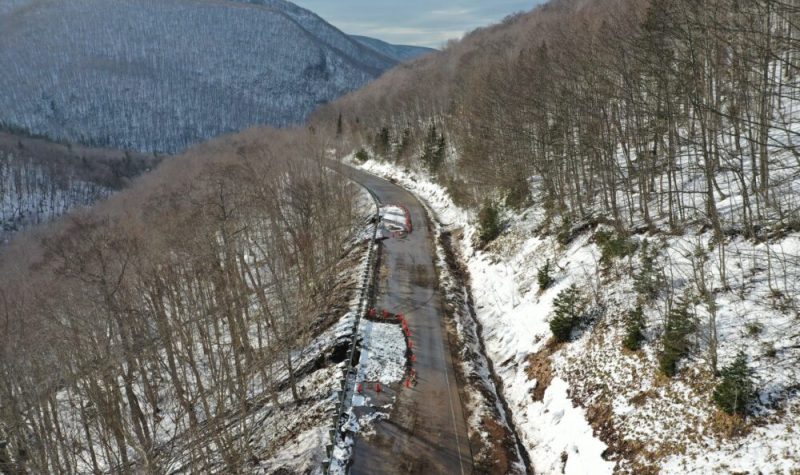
<point x="426" y="432"/>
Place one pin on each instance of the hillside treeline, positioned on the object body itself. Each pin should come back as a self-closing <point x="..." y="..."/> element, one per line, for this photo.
<point x="41" y="180"/>
<point x="643" y="114"/>
<point x="143" y="331"/>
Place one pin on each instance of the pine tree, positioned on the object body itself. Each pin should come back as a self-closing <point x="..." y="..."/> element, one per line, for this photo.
<point x="440" y="153"/>
<point x="648" y="282"/>
<point x="634" y="329"/>
<point x="543" y="276"/>
<point x="403" y="143"/>
<point x="489" y="223"/>
<point x="736" y="390"/>
<point x="434" y="149"/>
<point x="676" y="343"/>
<point x="383" y="142"/>
<point x="568" y="310"/>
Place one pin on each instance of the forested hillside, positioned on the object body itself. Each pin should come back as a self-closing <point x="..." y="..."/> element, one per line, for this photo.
<point x="629" y="176"/>
<point x="615" y="191"/>
<point x="41" y="180"/>
<point x="186" y="323"/>
<point x="162" y="75"/>
<point x="613" y="109"/>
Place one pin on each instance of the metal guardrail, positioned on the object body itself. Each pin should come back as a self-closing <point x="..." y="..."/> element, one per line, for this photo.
<point x="348" y="379"/>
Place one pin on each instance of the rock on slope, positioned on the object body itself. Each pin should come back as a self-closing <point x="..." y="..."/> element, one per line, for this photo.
<point x="161" y="75"/>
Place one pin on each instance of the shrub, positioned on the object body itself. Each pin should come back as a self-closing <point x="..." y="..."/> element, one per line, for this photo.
<point x="614" y="246"/>
<point x="568" y="311"/>
<point x="676" y="343"/>
<point x="634" y="329"/>
<point x="362" y="156"/>
<point x="489" y="222"/>
<point x="736" y="390"/>
<point x="754" y="328"/>
<point x="543" y="276"/>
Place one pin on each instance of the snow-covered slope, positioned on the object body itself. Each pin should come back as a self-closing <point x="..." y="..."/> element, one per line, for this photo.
<point x="592" y="406"/>
<point x="160" y="75"/>
<point x="30" y="194"/>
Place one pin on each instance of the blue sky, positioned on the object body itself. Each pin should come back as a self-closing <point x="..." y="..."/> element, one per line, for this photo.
<point x="414" y="22"/>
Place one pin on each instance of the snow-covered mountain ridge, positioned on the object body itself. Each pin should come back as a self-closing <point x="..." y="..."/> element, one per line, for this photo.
<point x="163" y="75"/>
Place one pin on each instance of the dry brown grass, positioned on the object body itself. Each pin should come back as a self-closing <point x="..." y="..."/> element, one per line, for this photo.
<point x="540" y="368"/>
<point x="497" y="459"/>
<point x="729" y="426"/>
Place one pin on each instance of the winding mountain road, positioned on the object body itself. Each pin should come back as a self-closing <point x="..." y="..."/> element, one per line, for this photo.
<point x="426" y="432"/>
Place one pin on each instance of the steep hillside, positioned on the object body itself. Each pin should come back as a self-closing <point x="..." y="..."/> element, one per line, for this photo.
<point x="621" y="182"/>
<point x="614" y="188"/>
<point x="161" y="75"/>
<point x="168" y="329"/>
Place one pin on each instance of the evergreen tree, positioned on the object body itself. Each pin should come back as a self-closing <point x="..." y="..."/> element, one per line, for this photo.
<point x="676" y="342"/>
<point x="489" y="223"/>
<point x="568" y="310"/>
<point x="736" y="390"/>
<point x="403" y="143"/>
<point x="440" y="153"/>
<point x="634" y="329"/>
<point x="543" y="276"/>
<point x="382" y="142"/>
<point x="648" y="282"/>
<point x="434" y="149"/>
